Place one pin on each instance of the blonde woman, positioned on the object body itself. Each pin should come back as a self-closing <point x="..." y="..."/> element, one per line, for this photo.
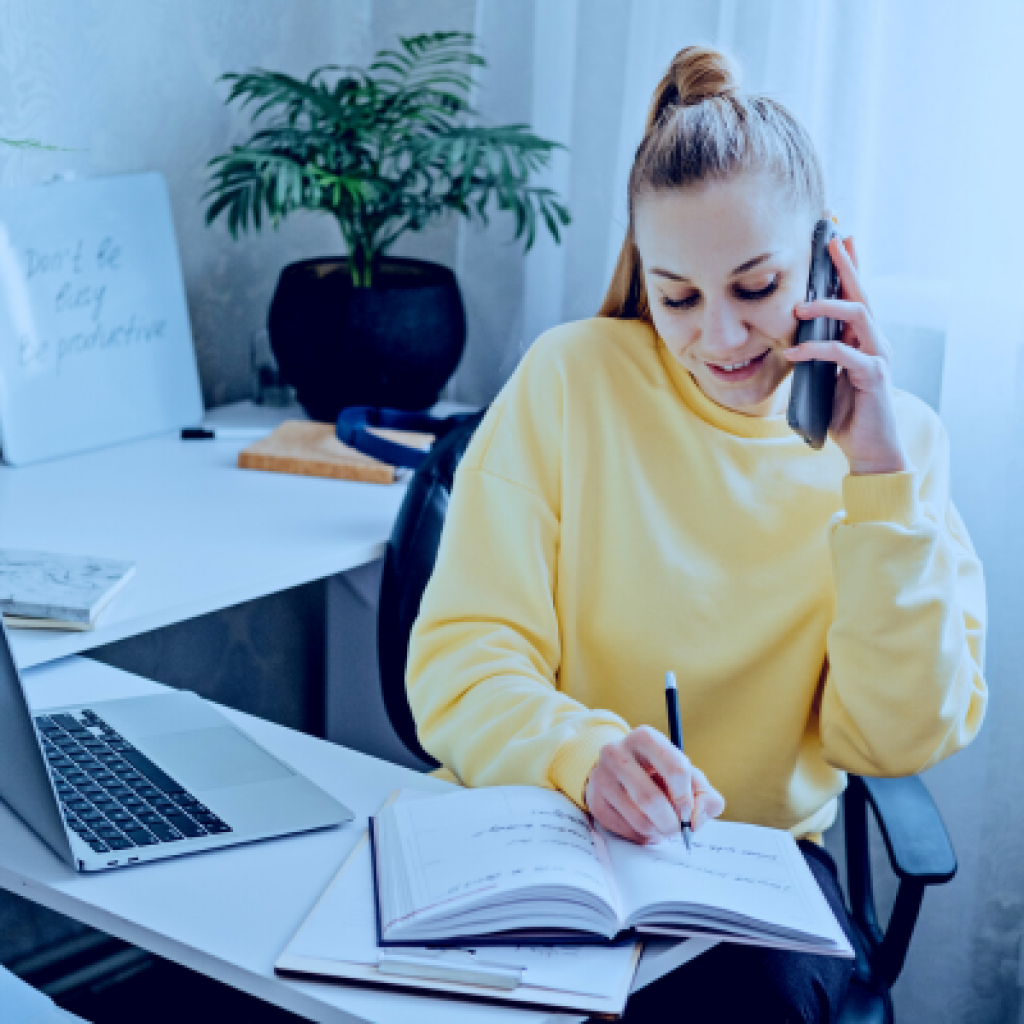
<point x="635" y="501"/>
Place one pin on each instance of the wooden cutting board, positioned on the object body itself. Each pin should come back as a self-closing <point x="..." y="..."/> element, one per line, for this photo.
<point x="313" y="449"/>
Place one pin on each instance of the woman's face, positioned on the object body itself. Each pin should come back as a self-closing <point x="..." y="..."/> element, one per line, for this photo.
<point x="724" y="265"/>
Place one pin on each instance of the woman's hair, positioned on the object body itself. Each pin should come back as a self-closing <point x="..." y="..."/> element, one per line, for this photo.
<point x="700" y="127"/>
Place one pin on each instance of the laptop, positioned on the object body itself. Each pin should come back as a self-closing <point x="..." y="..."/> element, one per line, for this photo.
<point x="111" y="783"/>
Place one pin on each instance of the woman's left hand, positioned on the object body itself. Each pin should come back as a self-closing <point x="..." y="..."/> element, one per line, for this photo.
<point x="863" y="417"/>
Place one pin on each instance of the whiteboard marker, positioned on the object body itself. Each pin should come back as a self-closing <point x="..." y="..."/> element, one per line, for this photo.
<point x="224" y="433"/>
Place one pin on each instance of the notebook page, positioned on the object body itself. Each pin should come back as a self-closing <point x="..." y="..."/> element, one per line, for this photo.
<point x="496" y="838"/>
<point x="343" y="928"/>
<point x="745" y="869"/>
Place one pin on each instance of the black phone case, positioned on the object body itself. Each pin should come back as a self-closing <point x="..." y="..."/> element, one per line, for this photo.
<point x="814" y="382"/>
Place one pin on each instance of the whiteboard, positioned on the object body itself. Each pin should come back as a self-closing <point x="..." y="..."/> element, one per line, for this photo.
<point x="95" y="343"/>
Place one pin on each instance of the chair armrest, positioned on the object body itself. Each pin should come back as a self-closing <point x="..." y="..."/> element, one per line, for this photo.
<point x="919" y="851"/>
<point x="914" y="834"/>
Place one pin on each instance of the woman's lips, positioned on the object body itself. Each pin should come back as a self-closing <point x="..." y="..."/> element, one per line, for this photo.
<point x="742" y="374"/>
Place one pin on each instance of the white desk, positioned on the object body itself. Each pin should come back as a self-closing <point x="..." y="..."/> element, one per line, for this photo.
<point x="204" y="534"/>
<point x="229" y="914"/>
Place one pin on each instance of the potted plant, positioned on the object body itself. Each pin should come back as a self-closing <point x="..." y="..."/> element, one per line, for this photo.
<point x="384" y="151"/>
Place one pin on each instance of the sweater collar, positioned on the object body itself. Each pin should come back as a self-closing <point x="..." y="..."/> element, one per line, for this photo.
<point x="710" y="411"/>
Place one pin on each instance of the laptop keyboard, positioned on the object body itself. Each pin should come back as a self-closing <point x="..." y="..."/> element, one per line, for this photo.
<point x="111" y="794"/>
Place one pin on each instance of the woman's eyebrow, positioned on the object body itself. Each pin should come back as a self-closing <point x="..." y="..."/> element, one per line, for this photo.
<point x="741" y="269"/>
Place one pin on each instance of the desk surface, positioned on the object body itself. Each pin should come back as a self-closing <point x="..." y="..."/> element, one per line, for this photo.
<point x="204" y="534"/>
<point x="230" y="913"/>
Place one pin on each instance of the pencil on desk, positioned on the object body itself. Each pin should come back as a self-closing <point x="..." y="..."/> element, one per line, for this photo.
<point x="675" y="730"/>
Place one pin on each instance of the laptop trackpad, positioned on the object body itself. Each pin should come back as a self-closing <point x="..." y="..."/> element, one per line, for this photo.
<point x="212" y="758"/>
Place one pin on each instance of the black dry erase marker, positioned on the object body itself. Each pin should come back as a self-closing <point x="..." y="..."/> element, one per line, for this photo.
<point x="224" y="433"/>
<point x="675" y="731"/>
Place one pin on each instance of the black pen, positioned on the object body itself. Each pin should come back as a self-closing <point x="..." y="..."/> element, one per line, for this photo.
<point x="224" y="433"/>
<point x="675" y="731"/>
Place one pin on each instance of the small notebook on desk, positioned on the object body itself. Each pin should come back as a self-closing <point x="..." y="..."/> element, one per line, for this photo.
<point x="518" y="863"/>
<point x="47" y="590"/>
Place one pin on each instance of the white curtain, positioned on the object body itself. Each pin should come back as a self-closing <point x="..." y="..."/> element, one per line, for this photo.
<point x="916" y="111"/>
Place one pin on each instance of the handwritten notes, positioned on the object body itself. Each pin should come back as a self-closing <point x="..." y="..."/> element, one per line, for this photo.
<point x="720" y="860"/>
<point x="751" y="873"/>
<point x="496" y="838"/>
<point x="75" y="281"/>
<point x="95" y="345"/>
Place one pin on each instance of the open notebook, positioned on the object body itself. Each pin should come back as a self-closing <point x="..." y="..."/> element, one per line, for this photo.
<point x="525" y="864"/>
<point x="338" y="942"/>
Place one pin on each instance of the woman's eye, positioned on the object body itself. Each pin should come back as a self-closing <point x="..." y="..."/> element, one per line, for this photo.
<point x="688" y="303"/>
<point x="750" y="295"/>
<point x="760" y="293"/>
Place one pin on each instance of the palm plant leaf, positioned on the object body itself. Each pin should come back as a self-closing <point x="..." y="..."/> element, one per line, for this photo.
<point x="384" y="150"/>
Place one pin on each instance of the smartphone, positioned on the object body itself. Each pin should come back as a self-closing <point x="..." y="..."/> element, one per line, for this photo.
<point x="814" y="382"/>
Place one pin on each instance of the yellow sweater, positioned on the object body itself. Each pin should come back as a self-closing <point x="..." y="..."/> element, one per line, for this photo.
<point x="609" y="522"/>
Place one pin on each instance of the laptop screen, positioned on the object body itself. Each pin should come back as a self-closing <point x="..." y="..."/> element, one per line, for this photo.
<point x="24" y="779"/>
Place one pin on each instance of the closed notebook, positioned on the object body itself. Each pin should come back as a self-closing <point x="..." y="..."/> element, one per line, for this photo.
<point x="49" y="590"/>
<point x="521" y="862"/>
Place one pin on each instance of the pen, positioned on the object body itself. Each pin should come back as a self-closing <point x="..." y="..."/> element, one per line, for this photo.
<point x="675" y="731"/>
<point x="223" y="433"/>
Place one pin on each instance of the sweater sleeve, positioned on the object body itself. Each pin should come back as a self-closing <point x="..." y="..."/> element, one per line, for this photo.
<point x="484" y="655"/>
<point x="904" y="686"/>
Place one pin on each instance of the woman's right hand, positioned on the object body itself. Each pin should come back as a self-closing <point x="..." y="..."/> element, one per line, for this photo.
<point x="642" y="787"/>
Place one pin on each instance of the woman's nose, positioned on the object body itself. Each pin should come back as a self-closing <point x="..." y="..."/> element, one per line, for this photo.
<point x="724" y="331"/>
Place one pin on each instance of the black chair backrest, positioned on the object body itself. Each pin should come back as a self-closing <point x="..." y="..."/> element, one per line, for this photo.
<point x="408" y="563"/>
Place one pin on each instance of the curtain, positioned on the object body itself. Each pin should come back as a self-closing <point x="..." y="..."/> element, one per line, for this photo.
<point x="916" y="112"/>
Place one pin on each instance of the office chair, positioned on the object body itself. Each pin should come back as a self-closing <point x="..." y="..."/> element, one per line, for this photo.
<point x="919" y="849"/>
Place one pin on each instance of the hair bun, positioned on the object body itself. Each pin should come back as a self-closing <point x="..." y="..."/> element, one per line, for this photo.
<point x="696" y="73"/>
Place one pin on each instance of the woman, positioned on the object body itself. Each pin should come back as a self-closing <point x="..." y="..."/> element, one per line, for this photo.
<point x="635" y="501"/>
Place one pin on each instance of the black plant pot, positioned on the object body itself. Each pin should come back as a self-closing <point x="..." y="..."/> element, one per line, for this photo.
<point x="395" y="344"/>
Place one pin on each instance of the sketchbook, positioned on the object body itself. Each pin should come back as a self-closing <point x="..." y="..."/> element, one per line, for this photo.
<point x="46" y="590"/>
<point x="525" y="864"/>
<point x="338" y="942"/>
